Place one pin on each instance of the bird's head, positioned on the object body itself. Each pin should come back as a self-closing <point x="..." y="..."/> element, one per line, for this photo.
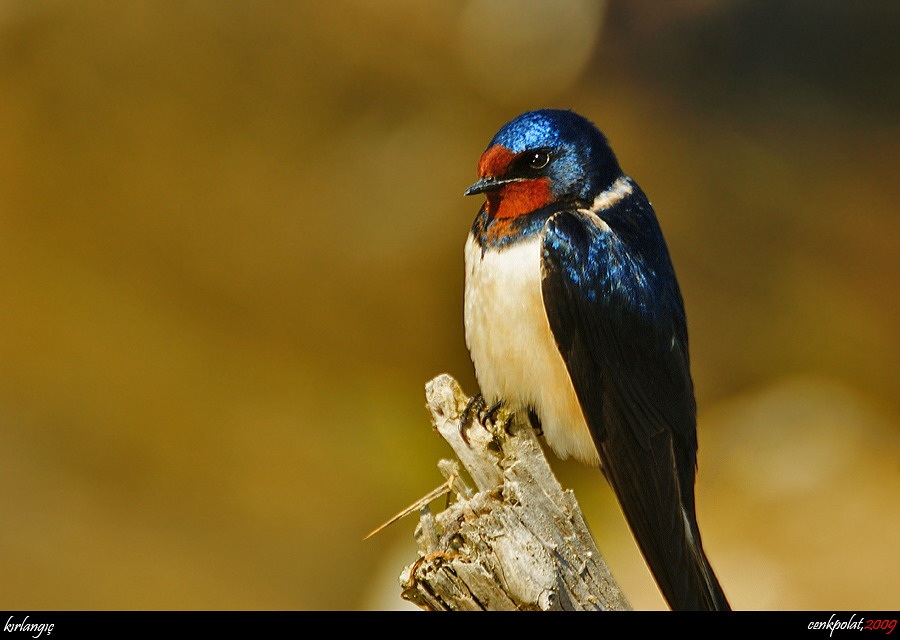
<point x="541" y="158"/>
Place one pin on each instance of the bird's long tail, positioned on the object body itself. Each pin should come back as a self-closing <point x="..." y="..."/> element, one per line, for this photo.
<point x="663" y="519"/>
<point x="700" y="590"/>
<point x="680" y="565"/>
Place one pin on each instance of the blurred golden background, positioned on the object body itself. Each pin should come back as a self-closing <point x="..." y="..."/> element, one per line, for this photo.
<point x="231" y="256"/>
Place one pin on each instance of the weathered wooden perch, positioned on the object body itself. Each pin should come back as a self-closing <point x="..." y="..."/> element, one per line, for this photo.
<point x="520" y="542"/>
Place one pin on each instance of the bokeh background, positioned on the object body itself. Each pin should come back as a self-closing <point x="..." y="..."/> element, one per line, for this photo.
<point x="231" y="256"/>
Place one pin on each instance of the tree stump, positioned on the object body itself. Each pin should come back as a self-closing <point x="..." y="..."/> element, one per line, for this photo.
<point x="516" y="542"/>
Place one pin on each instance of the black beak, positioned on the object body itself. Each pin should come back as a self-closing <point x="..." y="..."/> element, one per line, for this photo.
<point x="490" y="183"/>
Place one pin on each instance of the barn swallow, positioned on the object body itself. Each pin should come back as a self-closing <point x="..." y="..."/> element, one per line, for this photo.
<point x="574" y="316"/>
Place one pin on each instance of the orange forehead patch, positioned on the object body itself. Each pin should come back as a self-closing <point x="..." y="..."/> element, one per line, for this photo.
<point x="495" y="161"/>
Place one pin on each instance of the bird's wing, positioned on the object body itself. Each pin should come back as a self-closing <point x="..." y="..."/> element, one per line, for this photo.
<point x="618" y="320"/>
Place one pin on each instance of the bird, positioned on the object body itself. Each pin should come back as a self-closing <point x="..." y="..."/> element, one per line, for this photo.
<point x="574" y="316"/>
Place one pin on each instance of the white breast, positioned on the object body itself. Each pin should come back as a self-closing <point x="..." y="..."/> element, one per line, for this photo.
<point x="515" y="355"/>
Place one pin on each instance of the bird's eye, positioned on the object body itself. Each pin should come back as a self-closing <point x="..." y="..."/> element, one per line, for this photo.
<point x="539" y="160"/>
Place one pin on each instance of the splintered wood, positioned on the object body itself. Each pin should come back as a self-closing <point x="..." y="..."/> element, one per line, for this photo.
<point x="517" y="541"/>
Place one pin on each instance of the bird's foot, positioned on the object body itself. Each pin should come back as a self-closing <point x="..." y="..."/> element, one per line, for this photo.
<point x="535" y="422"/>
<point x="478" y="408"/>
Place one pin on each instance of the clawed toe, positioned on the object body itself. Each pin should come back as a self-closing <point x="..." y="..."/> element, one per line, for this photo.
<point x="478" y="408"/>
<point x="474" y="407"/>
